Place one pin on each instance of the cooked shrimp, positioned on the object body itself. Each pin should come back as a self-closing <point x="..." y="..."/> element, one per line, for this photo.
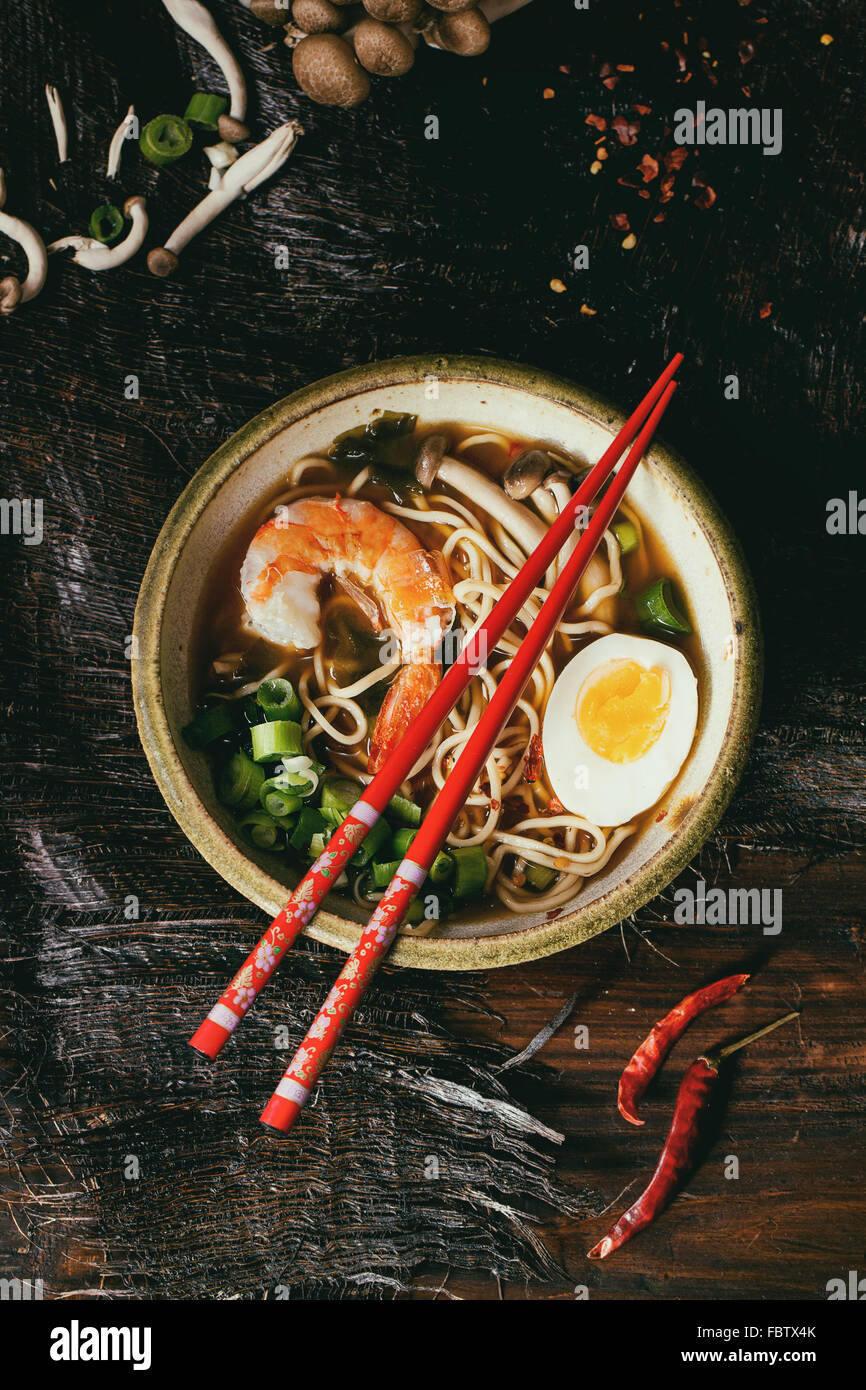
<point x="369" y="553"/>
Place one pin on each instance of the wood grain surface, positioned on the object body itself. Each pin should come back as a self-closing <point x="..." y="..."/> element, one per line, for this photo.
<point x="400" y="243"/>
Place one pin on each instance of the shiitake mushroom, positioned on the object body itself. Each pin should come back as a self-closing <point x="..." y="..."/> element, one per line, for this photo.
<point x="393" y="11"/>
<point x="318" y="17"/>
<point x="450" y="6"/>
<point x="382" y="49"/>
<point x="327" y="70"/>
<point x="466" y="33"/>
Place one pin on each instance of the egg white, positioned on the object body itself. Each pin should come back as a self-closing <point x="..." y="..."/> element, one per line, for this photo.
<point x="609" y="793"/>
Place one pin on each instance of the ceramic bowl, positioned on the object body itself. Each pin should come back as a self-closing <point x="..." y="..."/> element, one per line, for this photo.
<point x="481" y="391"/>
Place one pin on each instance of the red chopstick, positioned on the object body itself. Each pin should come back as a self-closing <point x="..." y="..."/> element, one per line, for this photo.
<point x="319" y="879"/>
<point x="306" y="1066"/>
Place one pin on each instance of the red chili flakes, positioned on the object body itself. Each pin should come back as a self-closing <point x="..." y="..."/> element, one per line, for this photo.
<point x="597" y="122"/>
<point x="706" y="195"/>
<point x="548" y="94"/>
<point x="532" y="761"/>
<point x="642" y="110"/>
<point x="563" y="67"/>
<point x="620" y="221"/>
<point x="626" y="130"/>
<point x="765" y="310"/>
<point x="649" y="168"/>
<point x="625" y="67"/>
<point x="675" y="159"/>
<point x="746" y="51"/>
<point x="666" y="187"/>
<point x="555" y="806"/>
<point x="608" y="76"/>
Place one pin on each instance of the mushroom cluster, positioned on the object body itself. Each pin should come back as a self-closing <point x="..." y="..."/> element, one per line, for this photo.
<point x="337" y="44"/>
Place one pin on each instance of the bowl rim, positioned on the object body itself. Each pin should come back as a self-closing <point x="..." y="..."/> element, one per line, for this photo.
<point x="438" y="953"/>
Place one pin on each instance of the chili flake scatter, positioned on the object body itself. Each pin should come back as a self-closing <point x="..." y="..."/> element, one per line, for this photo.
<point x="557" y="286"/>
<point x="765" y="310"/>
<point x="826" y="39"/>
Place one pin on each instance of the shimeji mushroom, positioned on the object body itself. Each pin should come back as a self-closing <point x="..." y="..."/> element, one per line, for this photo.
<point x="258" y="164"/>
<point x="95" y="255"/>
<point x="115" y="149"/>
<point x="200" y="24"/>
<point x="328" y="71"/>
<point x="58" y="120"/>
<point x="393" y="11"/>
<point x="466" y="33"/>
<point x="12" y="290"/>
<point x="269" y="11"/>
<point x="433" y="462"/>
<point x="382" y="49"/>
<point x="527" y="472"/>
<point x="318" y="17"/>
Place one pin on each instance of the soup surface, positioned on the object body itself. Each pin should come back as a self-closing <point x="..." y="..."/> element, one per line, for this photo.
<point x="348" y="647"/>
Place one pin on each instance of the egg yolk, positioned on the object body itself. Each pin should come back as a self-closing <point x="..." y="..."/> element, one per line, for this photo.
<point x="622" y="708"/>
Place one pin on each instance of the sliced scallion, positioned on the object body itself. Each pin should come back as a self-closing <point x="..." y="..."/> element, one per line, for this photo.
<point x="205" y="109"/>
<point x="262" y="830"/>
<point x="658" y="609"/>
<point x="106" y="223"/>
<point x="165" y="139"/>
<point x="627" y="535"/>
<point x="276" y="739"/>
<point x="209" y="724"/>
<point x="278" y="699"/>
<point x="240" y="782"/>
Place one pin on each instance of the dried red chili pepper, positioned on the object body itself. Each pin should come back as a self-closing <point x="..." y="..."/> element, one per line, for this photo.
<point x="661" y="1038"/>
<point x="532" y="761"/>
<point x="678" y="1153"/>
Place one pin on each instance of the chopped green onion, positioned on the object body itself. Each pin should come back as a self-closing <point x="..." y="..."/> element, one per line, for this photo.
<point x="539" y="876"/>
<point x="277" y="799"/>
<point x="106" y="223"/>
<point x="401" y="840"/>
<point x="404" y="811"/>
<point x="442" y="867"/>
<point x="373" y="842"/>
<point x="276" y="739"/>
<point x="214" y="722"/>
<point x="310" y="822"/>
<point x="470" y="871"/>
<point x="204" y="110"/>
<point x="339" y="795"/>
<point x="383" y="873"/>
<point x="165" y="139"/>
<point x="262" y="831"/>
<point x="318" y="843"/>
<point x="240" y="782"/>
<point x="627" y="535"/>
<point x="278" y="699"/>
<point x="658" y="609"/>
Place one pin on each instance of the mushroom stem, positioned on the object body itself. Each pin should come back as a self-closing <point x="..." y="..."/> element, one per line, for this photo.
<point x="58" y="120"/>
<point x="518" y="521"/>
<point x="95" y="255"/>
<point x="200" y="24"/>
<point x="258" y="164"/>
<point x="33" y="247"/>
<point x="115" y="149"/>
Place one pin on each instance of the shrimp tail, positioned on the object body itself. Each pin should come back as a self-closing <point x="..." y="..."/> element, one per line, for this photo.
<point x="403" y="703"/>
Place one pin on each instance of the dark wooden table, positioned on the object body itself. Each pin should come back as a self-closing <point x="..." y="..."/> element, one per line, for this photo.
<point x="400" y="243"/>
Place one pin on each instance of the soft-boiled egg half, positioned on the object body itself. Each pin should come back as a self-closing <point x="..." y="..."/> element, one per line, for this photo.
<point x="618" y="727"/>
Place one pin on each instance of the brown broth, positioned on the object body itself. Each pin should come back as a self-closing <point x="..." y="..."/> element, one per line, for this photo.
<point x="217" y="627"/>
